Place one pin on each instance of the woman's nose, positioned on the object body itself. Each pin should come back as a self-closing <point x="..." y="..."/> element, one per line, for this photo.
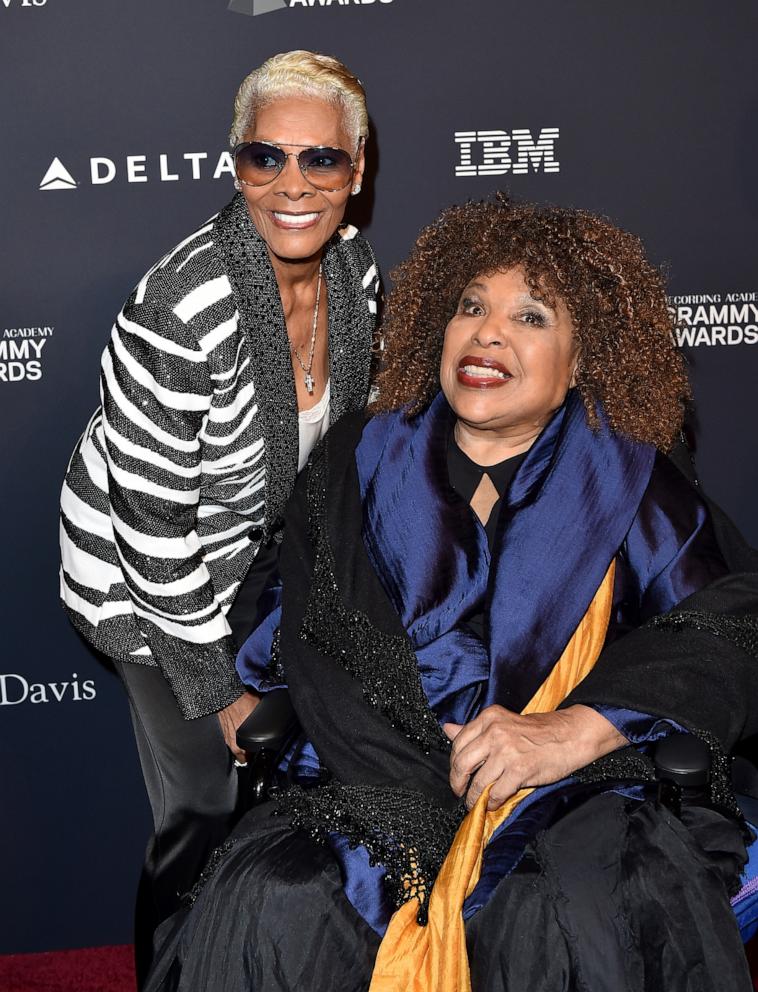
<point x="490" y="332"/>
<point x="291" y="180"/>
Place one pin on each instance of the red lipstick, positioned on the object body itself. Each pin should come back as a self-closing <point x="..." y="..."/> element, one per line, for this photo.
<point x="493" y="375"/>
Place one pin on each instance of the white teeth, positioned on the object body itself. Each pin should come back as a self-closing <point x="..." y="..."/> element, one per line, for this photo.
<point x="295" y="220"/>
<point x="484" y="372"/>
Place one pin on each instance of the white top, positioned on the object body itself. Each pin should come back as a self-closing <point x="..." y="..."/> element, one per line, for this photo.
<point x="312" y="425"/>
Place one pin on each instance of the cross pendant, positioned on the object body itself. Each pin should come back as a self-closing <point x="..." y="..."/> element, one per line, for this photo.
<point x="309" y="382"/>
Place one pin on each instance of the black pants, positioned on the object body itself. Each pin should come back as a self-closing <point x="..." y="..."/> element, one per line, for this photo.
<point x="192" y="786"/>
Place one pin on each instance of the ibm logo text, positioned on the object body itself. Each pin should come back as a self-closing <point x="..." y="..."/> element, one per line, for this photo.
<point x="494" y="153"/>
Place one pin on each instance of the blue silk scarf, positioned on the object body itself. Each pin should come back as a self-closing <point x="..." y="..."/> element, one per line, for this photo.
<point x="564" y="517"/>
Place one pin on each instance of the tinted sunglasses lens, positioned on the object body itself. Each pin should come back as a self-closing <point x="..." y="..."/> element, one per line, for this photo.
<point x="326" y="168"/>
<point x="257" y="163"/>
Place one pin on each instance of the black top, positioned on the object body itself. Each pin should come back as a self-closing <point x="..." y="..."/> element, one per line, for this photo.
<point x="465" y="476"/>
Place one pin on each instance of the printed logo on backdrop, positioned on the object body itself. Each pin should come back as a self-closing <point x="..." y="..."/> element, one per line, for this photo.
<point x="22" y="353"/>
<point x="254" y="7"/>
<point x="8" y="4"/>
<point x="102" y="170"/>
<point x="495" y="153"/>
<point x="16" y="689"/>
<point x="58" y="177"/>
<point x="712" y="319"/>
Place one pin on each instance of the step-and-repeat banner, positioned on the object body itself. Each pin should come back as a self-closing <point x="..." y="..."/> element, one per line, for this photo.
<point x="114" y="123"/>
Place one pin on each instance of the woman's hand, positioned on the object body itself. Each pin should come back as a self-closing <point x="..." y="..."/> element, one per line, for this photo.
<point x="232" y="717"/>
<point x="510" y="751"/>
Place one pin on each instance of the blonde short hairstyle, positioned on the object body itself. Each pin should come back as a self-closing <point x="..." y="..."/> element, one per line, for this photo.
<point x="301" y="73"/>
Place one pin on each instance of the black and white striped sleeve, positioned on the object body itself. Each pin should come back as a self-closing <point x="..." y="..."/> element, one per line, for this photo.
<point x="156" y="393"/>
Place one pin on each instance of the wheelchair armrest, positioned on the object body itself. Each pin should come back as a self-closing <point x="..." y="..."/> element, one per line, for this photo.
<point x="683" y="769"/>
<point x="683" y="760"/>
<point x="271" y="726"/>
<point x="265" y="737"/>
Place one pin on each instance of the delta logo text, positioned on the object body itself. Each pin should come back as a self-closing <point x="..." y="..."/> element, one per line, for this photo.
<point x="254" y="7"/>
<point x="494" y="153"/>
<point x="709" y="319"/>
<point x="21" y="353"/>
<point x="102" y="170"/>
<point x="15" y="689"/>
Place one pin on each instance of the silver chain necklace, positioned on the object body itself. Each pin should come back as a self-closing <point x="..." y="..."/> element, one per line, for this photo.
<point x="310" y="382"/>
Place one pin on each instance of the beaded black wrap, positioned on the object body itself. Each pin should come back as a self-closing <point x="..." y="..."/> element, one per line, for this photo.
<point x="384" y="664"/>
<point x="721" y="792"/>
<point x="631" y="764"/>
<point x="274" y="675"/>
<point x="742" y="630"/>
<point x="217" y="858"/>
<point x="402" y="830"/>
<point x="618" y="766"/>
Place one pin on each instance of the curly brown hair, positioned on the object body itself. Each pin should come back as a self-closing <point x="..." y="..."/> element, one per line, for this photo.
<point x="628" y="361"/>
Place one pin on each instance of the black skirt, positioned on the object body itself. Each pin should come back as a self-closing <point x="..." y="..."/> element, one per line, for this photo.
<point x="617" y="896"/>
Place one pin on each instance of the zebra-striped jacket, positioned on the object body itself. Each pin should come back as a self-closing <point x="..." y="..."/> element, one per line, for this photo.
<point x="186" y="467"/>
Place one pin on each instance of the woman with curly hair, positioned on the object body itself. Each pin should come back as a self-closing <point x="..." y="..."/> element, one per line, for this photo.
<point x="498" y="591"/>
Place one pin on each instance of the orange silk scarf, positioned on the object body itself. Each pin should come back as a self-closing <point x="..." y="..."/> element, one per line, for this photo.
<point x="433" y="958"/>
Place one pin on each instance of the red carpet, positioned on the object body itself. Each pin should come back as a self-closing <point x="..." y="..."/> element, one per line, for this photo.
<point x="108" y="969"/>
<point x="91" y="969"/>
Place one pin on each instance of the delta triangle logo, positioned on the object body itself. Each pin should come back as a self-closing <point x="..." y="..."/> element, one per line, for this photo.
<point x="58" y="177"/>
<point x="253" y="7"/>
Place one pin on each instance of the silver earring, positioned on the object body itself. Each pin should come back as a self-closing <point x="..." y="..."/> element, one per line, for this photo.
<point x="356" y="189"/>
<point x="237" y="184"/>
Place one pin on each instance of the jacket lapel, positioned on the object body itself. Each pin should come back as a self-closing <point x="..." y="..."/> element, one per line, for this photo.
<point x="262" y="324"/>
<point x="351" y="327"/>
<point x="263" y="327"/>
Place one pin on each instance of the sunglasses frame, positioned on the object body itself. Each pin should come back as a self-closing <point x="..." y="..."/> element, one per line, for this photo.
<point x="296" y="155"/>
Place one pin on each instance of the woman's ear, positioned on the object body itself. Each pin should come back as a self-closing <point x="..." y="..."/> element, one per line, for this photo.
<point x="576" y="366"/>
<point x="574" y="374"/>
<point x="360" y="165"/>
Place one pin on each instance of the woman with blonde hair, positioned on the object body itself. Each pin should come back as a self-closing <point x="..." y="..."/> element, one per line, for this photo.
<point x="230" y="359"/>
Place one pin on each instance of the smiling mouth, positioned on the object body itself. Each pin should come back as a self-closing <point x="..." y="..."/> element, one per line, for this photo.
<point x="294" y="221"/>
<point x="482" y="373"/>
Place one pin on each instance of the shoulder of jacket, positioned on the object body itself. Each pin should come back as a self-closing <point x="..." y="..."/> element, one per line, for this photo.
<point x="348" y="232"/>
<point x="189" y="265"/>
<point x="355" y="244"/>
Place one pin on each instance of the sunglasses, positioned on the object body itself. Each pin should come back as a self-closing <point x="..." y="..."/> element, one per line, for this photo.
<point x="258" y="163"/>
